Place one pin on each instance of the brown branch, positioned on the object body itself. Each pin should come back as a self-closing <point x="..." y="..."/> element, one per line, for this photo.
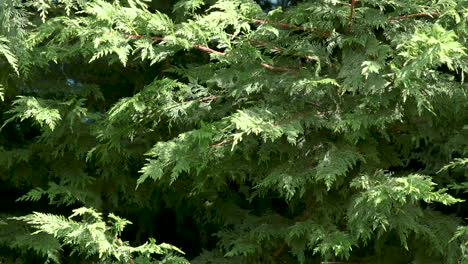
<point x="204" y="99"/>
<point x="222" y="143"/>
<point x="276" y="68"/>
<point x="313" y="103"/>
<point x="199" y="47"/>
<point x="415" y="15"/>
<point x="157" y="38"/>
<point x="208" y="98"/>
<point x="351" y="14"/>
<point x="140" y="36"/>
<point x="294" y="117"/>
<point x="263" y="44"/>
<point x="353" y="10"/>
<point x="259" y="43"/>
<point x="323" y="33"/>
<point x="119" y="242"/>
<point x="283" y="245"/>
<point x="210" y="50"/>
<point x="340" y="262"/>
<point x="275" y="48"/>
<point x="279" y="250"/>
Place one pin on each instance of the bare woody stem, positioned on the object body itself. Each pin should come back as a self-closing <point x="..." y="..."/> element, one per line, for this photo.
<point x="282" y="69"/>
<point x="204" y="99"/>
<point x="210" y="50"/>
<point x="276" y="68"/>
<point x="274" y="48"/>
<point x="323" y="33"/>
<point x="119" y="242"/>
<point x="199" y="47"/>
<point x="279" y="250"/>
<point x="351" y="17"/>
<point x="294" y="117"/>
<point x="283" y="245"/>
<point x="415" y="15"/>
<point x="222" y="143"/>
<point x="351" y="14"/>
<point x="353" y="7"/>
<point x="209" y="98"/>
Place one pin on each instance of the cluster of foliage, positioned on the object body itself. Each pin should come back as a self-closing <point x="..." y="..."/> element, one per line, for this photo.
<point x="233" y="131"/>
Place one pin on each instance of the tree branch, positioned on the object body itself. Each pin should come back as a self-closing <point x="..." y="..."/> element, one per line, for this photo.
<point x="210" y="50"/>
<point x="415" y="15"/>
<point x="222" y="143"/>
<point x="283" y="245"/>
<point x="140" y="36"/>
<point x="294" y="117"/>
<point x="351" y="14"/>
<point x="275" y="48"/>
<point x="119" y="242"/>
<point x="199" y="47"/>
<point x="276" y="68"/>
<point x="204" y="99"/>
<point x="323" y="33"/>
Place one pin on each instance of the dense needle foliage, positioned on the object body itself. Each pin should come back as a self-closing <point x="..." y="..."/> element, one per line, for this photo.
<point x="233" y="131"/>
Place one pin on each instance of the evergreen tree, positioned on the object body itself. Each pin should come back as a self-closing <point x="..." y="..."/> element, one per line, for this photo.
<point x="226" y="133"/>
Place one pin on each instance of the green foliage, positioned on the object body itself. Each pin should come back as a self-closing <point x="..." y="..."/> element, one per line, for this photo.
<point x="462" y="235"/>
<point x="319" y="131"/>
<point x="6" y="52"/>
<point x="92" y="236"/>
<point x="37" y="109"/>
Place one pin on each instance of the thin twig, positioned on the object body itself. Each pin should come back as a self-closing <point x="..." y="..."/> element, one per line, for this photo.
<point x="222" y="143"/>
<point x="275" y="48"/>
<point x="351" y="14"/>
<point x="415" y="15"/>
<point x="140" y="36"/>
<point x="199" y="47"/>
<point x="294" y="117"/>
<point x="283" y="245"/>
<point x="119" y="242"/>
<point x="276" y="68"/>
<point x="210" y="50"/>
<point x="340" y="262"/>
<point x="259" y="43"/>
<point x="313" y="103"/>
<point x="279" y="250"/>
<point x="323" y="33"/>
<point x="204" y="99"/>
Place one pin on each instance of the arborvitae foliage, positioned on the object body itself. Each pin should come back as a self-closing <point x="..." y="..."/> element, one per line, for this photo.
<point x="312" y="131"/>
